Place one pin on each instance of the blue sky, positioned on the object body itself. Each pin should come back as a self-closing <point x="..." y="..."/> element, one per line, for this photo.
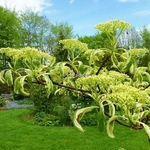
<point x="83" y="15"/>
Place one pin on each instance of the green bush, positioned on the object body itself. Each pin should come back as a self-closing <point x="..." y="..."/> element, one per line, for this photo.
<point x="39" y="98"/>
<point x="2" y="102"/>
<point x="89" y="119"/>
<point x="44" y="119"/>
<point x="56" y="105"/>
<point x="61" y="108"/>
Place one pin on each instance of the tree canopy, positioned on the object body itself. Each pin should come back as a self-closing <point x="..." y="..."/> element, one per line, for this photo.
<point x="9" y="27"/>
<point x="34" y="29"/>
<point x="60" y="31"/>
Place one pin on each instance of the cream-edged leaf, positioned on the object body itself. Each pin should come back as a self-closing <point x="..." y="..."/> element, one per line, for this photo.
<point x="77" y="117"/>
<point x="19" y="86"/>
<point x="8" y="77"/>
<point x="2" y="79"/>
<point x="110" y="126"/>
<point x="49" y="84"/>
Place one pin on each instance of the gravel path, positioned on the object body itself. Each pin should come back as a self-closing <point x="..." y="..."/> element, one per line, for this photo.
<point x="13" y="104"/>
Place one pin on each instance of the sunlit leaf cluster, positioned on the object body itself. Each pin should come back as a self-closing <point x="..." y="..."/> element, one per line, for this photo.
<point x="113" y="26"/>
<point x="28" y="65"/>
<point x="127" y="94"/>
<point x="138" y="52"/>
<point x="72" y="44"/>
<point x="30" y="57"/>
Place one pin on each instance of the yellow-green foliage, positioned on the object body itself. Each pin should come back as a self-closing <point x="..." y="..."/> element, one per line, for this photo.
<point x="72" y="44"/>
<point x="11" y="52"/>
<point x="103" y="80"/>
<point x="75" y="49"/>
<point x="117" y="76"/>
<point x="96" y="56"/>
<point x="147" y="91"/>
<point x="91" y="82"/>
<point x="59" y="72"/>
<point x="31" y="57"/>
<point x="112" y="26"/>
<point x="138" y="52"/>
<point x="34" y="67"/>
<point x="127" y="94"/>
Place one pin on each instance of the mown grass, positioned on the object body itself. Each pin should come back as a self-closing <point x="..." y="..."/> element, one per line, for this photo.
<point x="16" y="134"/>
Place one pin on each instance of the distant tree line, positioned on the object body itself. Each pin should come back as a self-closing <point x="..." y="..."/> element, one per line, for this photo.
<point x="29" y="28"/>
<point x="130" y="39"/>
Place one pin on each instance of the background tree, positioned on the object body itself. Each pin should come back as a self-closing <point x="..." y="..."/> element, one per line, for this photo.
<point x="99" y="40"/>
<point x="59" y="31"/>
<point x="145" y="33"/>
<point x="93" y="42"/>
<point x="9" y="25"/>
<point x="34" y="29"/>
<point x="9" y="35"/>
<point x="130" y="39"/>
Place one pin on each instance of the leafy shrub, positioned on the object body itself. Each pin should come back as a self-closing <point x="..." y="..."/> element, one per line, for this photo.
<point x="2" y="102"/>
<point x="44" y="119"/>
<point x="44" y="106"/>
<point x="89" y="119"/>
<point x="38" y="96"/>
<point x="39" y="116"/>
<point x="60" y="108"/>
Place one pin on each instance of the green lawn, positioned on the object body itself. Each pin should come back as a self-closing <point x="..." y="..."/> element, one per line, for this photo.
<point x="15" y="134"/>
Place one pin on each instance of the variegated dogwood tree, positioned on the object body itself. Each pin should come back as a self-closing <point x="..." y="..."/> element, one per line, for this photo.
<point x="111" y="76"/>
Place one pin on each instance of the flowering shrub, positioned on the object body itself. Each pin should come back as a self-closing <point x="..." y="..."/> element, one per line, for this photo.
<point x="120" y="91"/>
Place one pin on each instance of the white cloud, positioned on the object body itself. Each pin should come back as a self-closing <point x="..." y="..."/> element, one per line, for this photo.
<point x="37" y="5"/>
<point x="143" y="13"/>
<point x="51" y="11"/>
<point x="71" y="1"/>
<point x="128" y="0"/>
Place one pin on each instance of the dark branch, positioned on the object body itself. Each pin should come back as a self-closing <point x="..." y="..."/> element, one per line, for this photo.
<point x="71" y="87"/>
<point x="103" y="63"/>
